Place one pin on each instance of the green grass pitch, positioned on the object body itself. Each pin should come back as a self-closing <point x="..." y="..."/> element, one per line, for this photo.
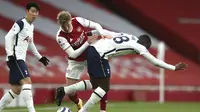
<point x="124" y="107"/>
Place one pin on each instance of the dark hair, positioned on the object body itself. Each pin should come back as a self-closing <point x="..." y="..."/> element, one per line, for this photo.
<point x="144" y="40"/>
<point x="32" y="4"/>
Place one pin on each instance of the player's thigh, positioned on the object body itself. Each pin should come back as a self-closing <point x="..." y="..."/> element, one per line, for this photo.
<point x="97" y="67"/>
<point x="104" y="83"/>
<point x="70" y="81"/>
<point x="26" y="80"/>
<point x="75" y="70"/>
<point x="18" y="71"/>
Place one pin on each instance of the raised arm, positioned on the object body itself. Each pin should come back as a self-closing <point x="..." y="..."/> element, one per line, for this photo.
<point x="90" y="24"/>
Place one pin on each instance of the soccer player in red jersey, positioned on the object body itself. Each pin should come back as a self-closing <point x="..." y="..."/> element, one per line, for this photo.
<point x="73" y="39"/>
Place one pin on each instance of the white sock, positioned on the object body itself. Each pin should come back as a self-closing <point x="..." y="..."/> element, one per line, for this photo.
<point x="80" y="86"/>
<point x="28" y="97"/>
<point x="95" y="98"/>
<point x="6" y="99"/>
<point x="102" y="111"/>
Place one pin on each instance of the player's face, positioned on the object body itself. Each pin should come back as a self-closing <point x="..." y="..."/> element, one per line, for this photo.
<point x="67" y="27"/>
<point x="31" y="14"/>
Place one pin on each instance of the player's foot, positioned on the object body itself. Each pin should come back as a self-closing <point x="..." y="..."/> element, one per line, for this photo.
<point x="80" y="104"/>
<point x="60" y="93"/>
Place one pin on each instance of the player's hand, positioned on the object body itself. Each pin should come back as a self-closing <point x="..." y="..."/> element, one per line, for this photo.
<point x="11" y="58"/>
<point x="180" y="66"/>
<point x="105" y="36"/>
<point x="44" y="60"/>
<point x="92" y="39"/>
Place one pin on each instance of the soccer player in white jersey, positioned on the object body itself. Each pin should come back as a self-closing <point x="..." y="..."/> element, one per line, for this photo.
<point x="98" y="66"/>
<point x="17" y="41"/>
<point x="73" y="39"/>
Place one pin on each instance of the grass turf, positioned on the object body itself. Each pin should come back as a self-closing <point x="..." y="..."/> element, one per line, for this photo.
<point x="124" y="107"/>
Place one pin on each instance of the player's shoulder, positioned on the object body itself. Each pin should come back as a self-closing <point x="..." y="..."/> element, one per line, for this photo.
<point x="74" y="19"/>
<point x="78" y="19"/>
<point x="20" y="22"/>
<point x="140" y="48"/>
<point x="60" y="33"/>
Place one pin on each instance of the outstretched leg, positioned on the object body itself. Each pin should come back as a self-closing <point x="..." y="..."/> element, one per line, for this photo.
<point x="80" y="86"/>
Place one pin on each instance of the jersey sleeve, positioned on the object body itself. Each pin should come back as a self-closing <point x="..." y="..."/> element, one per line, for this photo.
<point x="34" y="50"/>
<point x="138" y="48"/>
<point x="104" y="32"/>
<point x="64" y="44"/>
<point x="90" y="24"/>
<point x="9" y="38"/>
<point x="158" y="62"/>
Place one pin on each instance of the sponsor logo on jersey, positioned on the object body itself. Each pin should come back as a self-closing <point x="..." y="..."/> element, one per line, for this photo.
<point x="79" y="41"/>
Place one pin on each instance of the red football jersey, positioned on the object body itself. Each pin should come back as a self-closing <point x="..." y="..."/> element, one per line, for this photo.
<point x="76" y="38"/>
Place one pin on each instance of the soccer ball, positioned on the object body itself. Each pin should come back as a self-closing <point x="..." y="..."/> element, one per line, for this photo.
<point x="64" y="109"/>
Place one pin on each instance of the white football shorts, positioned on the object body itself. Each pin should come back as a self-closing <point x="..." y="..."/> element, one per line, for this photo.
<point x="75" y="69"/>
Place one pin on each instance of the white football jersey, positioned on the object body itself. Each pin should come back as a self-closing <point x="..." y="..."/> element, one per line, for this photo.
<point x="119" y="44"/>
<point x="19" y="39"/>
<point x="122" y="44"/>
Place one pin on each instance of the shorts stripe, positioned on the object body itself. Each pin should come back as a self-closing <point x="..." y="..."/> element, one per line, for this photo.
<point x="103" y="69"/>
<point x="19" y="69"/>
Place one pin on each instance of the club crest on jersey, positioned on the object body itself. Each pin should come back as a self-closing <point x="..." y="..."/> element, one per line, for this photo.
<point x="78" y="29"/>
<point x="70" y="39"/>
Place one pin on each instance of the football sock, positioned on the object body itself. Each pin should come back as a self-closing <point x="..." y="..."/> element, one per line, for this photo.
<point x="80" y="86"/>
<point x="103" y="103"/>
<point x="74" y="98"/>
<point x="94" y="98"/>
<point x="6" y="99"/>
<point x="28" y="97"/>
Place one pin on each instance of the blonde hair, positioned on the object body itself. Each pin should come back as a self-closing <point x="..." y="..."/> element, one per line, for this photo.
<point x="63" y="17"/>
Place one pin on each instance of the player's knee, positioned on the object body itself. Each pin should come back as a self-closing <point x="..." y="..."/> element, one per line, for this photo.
<point x="16" y="89"/>
<point x="26" y="87"/>
<point x="70" y="81"/>
<point x="106" y="88"/>
<point x="26" y="80"/>
<point x="94" y="86"/>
